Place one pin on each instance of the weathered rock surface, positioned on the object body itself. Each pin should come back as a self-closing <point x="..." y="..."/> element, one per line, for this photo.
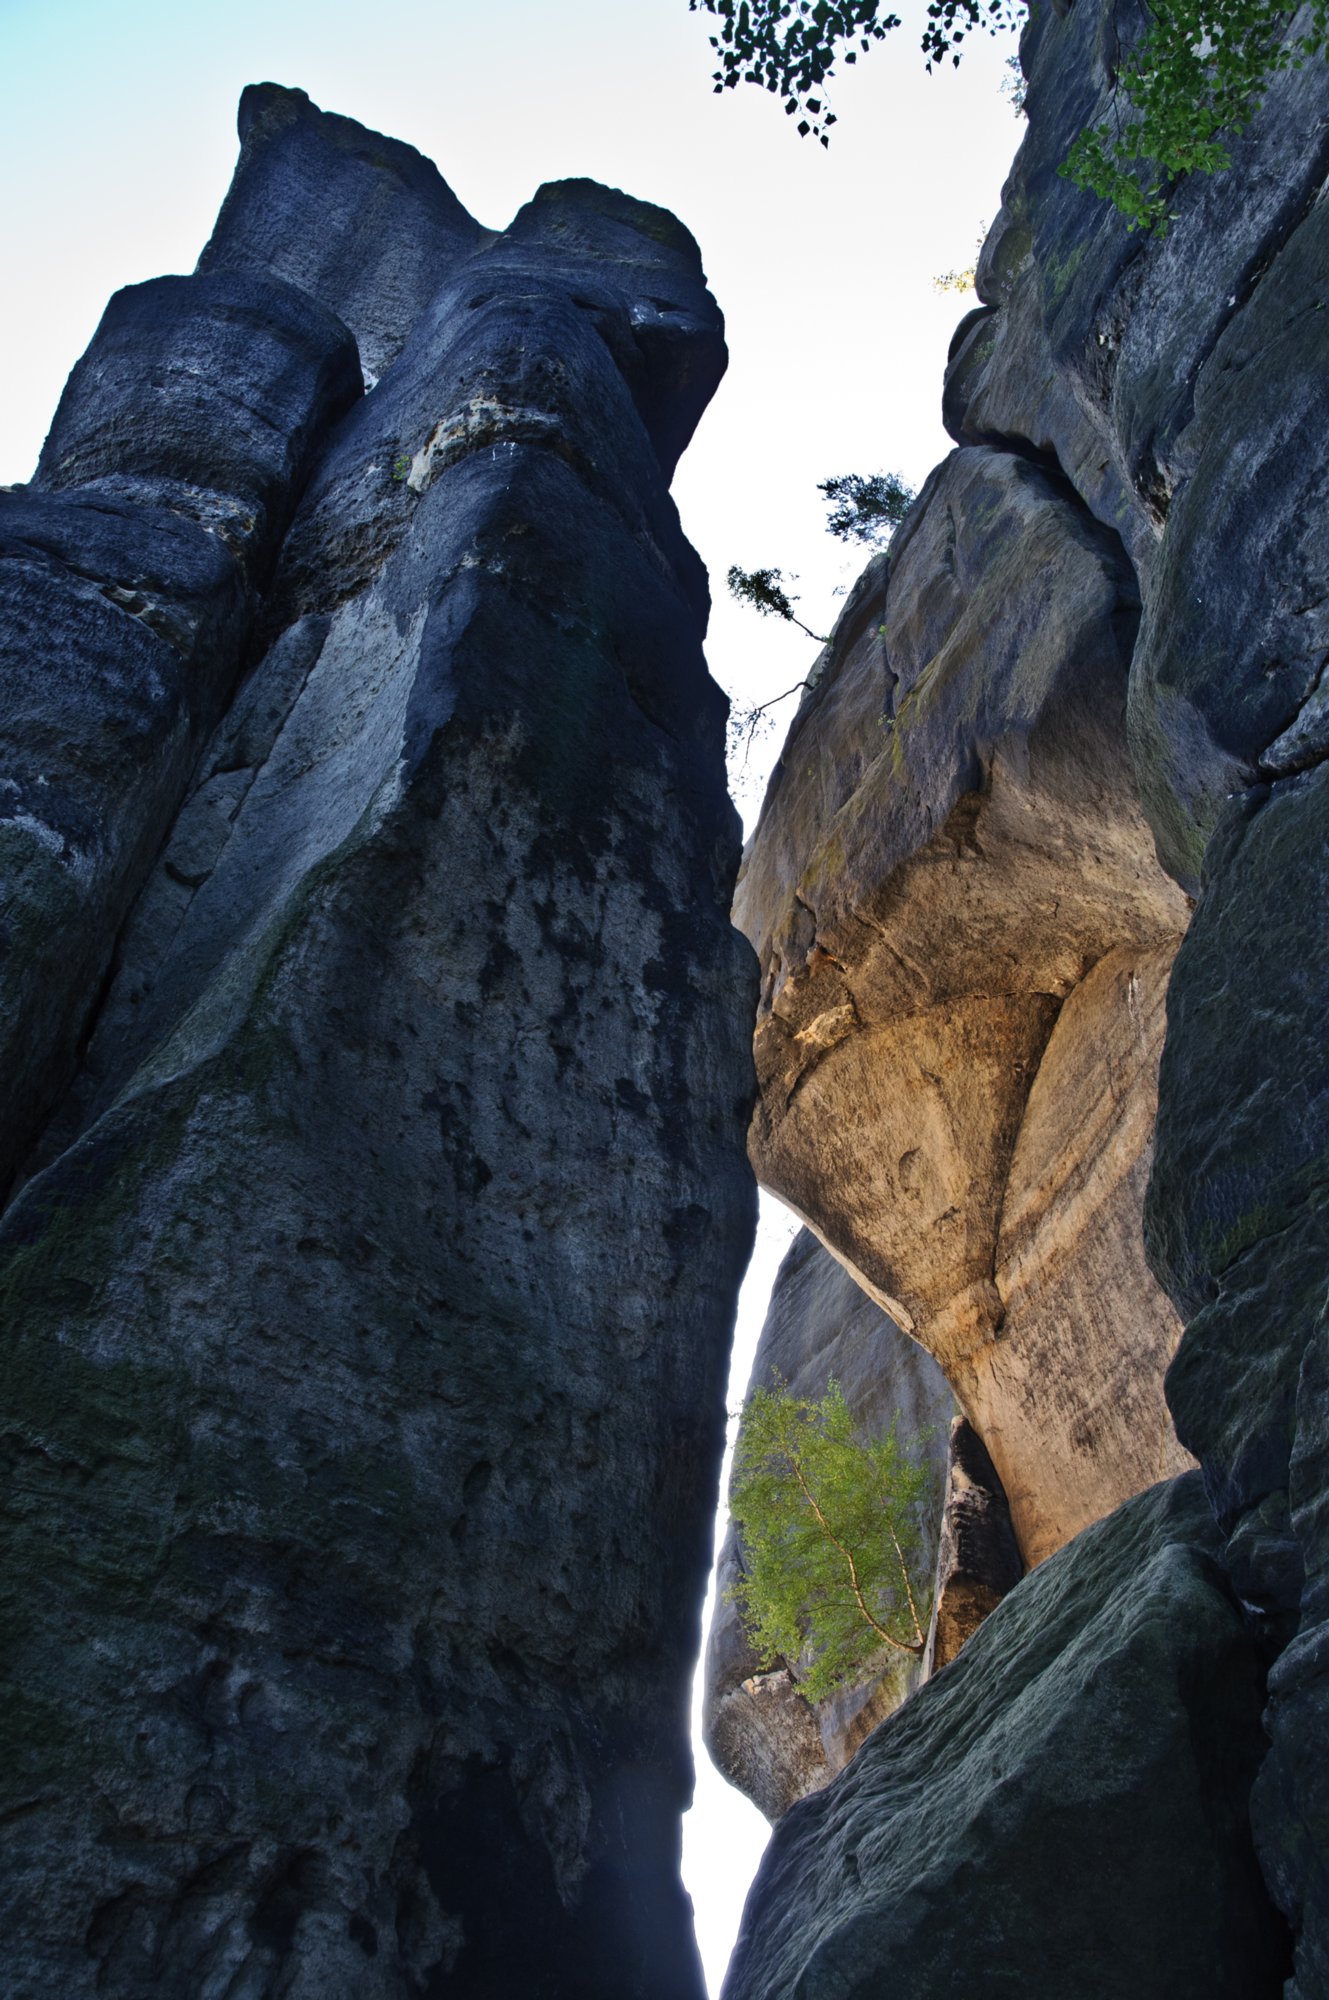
<point x="365" y="1307"/>
<point x="820" y="1325"/>
<point x="129" y="574"/>
<point x="965" y="939"/>
<point x="966" y="1115"/>
<point x="1239" y="1229"/>
<point x="978" y="1557"/>
<point x="1063" y="1810"/>
<point x="1178" y="384"/>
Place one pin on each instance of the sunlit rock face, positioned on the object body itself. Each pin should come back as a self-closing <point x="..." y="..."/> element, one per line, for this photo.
<point x="965" y="939"/>
<point x="367" y="1294"/>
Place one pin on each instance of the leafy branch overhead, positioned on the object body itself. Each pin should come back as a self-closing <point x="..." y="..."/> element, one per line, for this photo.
<point x="831" y="1531"/>
<point x="1198" y="75"/>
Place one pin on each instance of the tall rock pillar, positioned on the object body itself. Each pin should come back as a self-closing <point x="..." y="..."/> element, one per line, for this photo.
<point x="365" y="1301"/>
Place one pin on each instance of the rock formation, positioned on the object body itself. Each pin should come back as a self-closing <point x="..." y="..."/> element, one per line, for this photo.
<point x="1086" y="689"/>
<point x="366" y="1292"/>
<point x="1062" y="1811"/>
<point x="820" y="1326"/>
<point x="978" y="1557"/>
<point x="965" y="940"/>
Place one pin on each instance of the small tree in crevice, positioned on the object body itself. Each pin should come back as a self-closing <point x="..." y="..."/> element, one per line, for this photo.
<point x="866" y="507"/>
<point x="831" y="1530"/>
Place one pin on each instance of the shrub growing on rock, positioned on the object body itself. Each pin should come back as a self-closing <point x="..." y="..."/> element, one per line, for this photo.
<point x="832" y="1547"/>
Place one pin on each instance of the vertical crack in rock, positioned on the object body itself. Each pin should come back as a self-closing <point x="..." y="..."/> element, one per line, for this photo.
<point x="367" y="1297"/>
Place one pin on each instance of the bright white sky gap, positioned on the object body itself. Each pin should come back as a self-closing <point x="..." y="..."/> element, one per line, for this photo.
<point x="117" y="141"/>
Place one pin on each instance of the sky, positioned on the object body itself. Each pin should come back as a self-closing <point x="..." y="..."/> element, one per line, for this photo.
<point x="117" y="141"/>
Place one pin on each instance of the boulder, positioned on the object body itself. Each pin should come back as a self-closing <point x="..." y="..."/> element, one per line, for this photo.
<point x="1062" y="1810"/>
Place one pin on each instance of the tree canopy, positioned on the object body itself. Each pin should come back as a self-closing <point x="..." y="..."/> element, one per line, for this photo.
<point x="831" y="1530"/>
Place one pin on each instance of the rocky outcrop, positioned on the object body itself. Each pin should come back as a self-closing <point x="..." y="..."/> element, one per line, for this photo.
<point x="1167" y="393"/>
<point x="1195" y="367"/>
<point x="820" y="1327"/>
<point x="1063" y="1810"/>
<point x="362" y="1410"/>
<point x="1177" y="382"/>
<point x="965" y="941"/>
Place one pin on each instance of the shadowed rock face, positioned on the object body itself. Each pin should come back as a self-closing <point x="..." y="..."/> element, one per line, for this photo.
<point x="1181" y="384"/>
<point x="367" y="1296"/>
<point x="978" y="1559"/>
<point x="965" y="939"/>
<point x="820" y="1325"/>
<point x="129" y="577"/>
<point x="1063" y="1810"/>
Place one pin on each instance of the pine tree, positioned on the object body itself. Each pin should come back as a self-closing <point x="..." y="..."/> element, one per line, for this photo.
<point x="830" y="1525"/>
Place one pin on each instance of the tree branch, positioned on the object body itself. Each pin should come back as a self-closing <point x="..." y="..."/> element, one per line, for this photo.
<point x="899" y="1644"/>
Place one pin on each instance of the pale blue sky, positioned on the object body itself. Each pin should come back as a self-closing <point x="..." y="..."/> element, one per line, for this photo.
<point x="117" y="140"/>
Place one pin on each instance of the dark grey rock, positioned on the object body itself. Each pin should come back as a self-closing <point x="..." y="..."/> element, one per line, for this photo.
<point x="365" y="1321"/>
<point x="1238" y="1228"/>
<point x="360" y="221"/>
<point x="978" y="1557"/>
<point x="1177" y="383"/>
<point x="761" y="1733"/>
<point x="1062" y="1811"/>
<point x="128" y="576"/>
<point x="210" y="396"/>
<point x="1223" y="674"/>
<point x="1235" y="1219"/>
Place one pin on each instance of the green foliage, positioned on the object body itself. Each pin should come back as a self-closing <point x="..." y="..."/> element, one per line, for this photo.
<point x="791" y="46"/>
<point x="831" y="1531"/>
<point x="1199" y="74"/>
<point x="866" y="507"/>
<point x="764" y="590"/>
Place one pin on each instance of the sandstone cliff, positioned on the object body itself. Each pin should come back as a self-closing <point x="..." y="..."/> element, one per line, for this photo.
<point x="1081" y="701"/>
<point x="377" y="1068"/>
